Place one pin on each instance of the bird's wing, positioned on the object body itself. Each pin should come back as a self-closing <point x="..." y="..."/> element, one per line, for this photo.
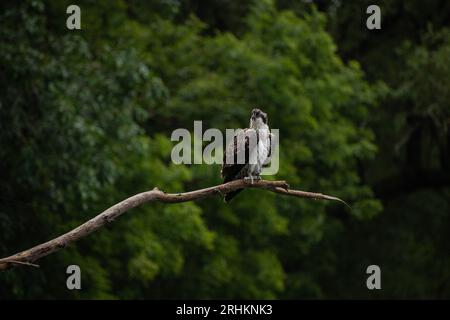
<point x="273" y="144"/>
<point x="236" y="154"/>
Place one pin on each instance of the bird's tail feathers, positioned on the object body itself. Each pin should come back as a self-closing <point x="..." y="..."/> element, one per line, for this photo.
<point x="231" y="195"/>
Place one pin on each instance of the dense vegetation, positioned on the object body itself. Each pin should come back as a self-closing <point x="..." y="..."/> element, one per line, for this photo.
<point x="86" y="118"/>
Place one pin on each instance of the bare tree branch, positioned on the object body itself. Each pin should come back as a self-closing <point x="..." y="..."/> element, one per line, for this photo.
<point x="27" y="257"/>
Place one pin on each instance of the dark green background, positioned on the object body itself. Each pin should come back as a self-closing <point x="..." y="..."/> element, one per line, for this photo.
<point x="86" y="118"/>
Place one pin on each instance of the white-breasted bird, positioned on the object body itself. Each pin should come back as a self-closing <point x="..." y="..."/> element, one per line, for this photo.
<point x="250" y="150"/>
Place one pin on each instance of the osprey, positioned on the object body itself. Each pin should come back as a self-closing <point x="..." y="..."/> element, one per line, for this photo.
<point x="250" y="150"/>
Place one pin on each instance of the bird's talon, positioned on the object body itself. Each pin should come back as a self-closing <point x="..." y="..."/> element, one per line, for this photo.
<point x="249" y="178"/>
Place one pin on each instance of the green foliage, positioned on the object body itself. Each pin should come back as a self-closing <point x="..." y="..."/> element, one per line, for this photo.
<point x="86" y="118"/>
<point x="410" y="173"/>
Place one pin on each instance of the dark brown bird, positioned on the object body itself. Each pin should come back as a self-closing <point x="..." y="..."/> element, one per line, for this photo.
<point x="249" y="151"/>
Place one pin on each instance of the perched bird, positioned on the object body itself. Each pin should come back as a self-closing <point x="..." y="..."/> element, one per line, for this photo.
<point x="248" y="152"/>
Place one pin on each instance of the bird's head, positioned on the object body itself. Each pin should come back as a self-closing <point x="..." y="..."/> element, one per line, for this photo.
<point x="258" y="119"/>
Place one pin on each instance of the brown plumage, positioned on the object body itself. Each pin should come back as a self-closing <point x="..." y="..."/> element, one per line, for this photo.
<point x="240" y="149"/>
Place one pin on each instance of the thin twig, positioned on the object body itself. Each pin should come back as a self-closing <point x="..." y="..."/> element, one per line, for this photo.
<point x="24" y="263"/>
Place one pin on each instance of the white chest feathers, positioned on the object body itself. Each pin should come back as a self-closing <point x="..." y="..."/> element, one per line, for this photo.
<point x="260" y="154"/>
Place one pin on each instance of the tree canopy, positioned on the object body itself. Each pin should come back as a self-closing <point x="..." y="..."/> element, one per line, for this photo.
<point x="86" y="118"/>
